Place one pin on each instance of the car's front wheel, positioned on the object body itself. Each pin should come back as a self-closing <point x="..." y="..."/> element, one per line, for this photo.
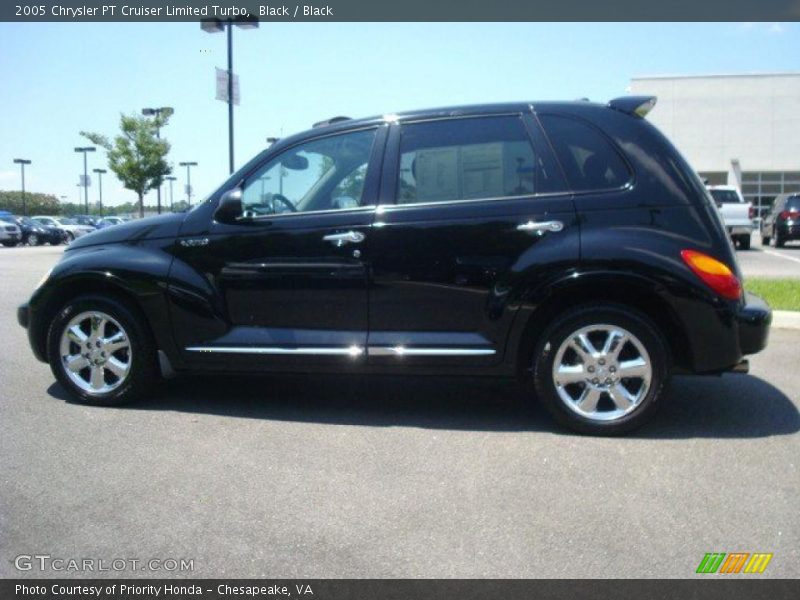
<point x="601" y="370"/>
<point x="100" y="352"/>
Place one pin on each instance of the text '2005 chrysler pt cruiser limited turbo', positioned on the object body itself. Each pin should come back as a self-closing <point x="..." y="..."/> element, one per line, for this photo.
<point x="566" y="243"/>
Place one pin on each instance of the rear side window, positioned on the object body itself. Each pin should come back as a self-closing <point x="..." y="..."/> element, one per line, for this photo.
<point x="589" y="160"/>
<point x="467" y="159"/>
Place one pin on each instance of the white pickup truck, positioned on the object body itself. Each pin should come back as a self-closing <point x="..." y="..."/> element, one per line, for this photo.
<point x="736" y="213"/>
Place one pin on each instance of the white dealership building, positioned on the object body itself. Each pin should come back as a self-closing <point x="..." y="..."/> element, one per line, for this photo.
<point x="741" y="130"/>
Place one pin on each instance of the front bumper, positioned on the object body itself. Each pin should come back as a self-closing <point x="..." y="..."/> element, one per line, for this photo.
<point x="23" y="315"/>
<point x="754" y="319"/>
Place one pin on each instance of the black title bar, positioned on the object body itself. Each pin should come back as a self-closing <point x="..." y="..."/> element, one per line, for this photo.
<point x="405" y="10"/>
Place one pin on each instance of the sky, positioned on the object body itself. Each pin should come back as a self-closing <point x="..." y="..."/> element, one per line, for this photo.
<point x="58" y="79"/>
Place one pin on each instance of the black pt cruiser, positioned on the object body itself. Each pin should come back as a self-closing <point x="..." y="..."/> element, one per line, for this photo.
<point x="569" y="244"/>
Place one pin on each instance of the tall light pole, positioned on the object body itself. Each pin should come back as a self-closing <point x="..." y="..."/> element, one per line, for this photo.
<point x="100" y="185"/>
<point x="167" y="111"/>
<point x="171" y="178"/>
<point x="218" y="26"/>
<point x="22" y="162"/>
<point x="188" y="166"/>
<point x="84" y="150"/>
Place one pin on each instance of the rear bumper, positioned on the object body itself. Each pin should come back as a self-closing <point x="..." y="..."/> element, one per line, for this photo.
<point x="740" y="229"/>
<point x="754" y="319"/>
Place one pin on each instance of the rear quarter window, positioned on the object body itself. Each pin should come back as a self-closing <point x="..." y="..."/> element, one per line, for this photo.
<point x="589" y="160"/>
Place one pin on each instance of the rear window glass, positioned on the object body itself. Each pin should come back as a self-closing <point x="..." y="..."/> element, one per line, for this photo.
<point x="589" y="160"/>
<point x="726" y="196"/>
<point x="793" y="203"/>
<point x="467" y="159"/>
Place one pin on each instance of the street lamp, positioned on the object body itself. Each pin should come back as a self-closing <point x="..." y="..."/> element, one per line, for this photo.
<point x="218" y="26"/>
<point x="85" y="149"/>
<point x="188" y="166"/>
<point x="100" y="185"/>
<point x="167" y="111"/>
<point x="170" y="178"/>
<point x="22" y="162"/>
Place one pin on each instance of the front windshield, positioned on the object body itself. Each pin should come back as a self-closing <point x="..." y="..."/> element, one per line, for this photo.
<point x="7" y="219"/>
<point x="66" y="221"/>
<point x="26" y="221"/>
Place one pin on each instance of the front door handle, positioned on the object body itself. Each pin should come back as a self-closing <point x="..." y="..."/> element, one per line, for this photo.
<point x="540" y="226"/>
<point x="348" y="237"/>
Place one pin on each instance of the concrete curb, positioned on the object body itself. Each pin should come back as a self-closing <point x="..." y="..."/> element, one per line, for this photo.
<point x="785" y="319"/>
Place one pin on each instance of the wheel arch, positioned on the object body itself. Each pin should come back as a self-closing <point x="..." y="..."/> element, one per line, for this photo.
<point x="90" y="283"/>
<point x="624" y="290"/>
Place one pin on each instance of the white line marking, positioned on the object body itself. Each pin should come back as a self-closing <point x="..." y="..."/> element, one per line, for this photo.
<point x="773" y="253"/>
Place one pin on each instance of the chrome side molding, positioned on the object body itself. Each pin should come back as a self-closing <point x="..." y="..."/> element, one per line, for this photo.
<point x="353" y="351"/>
<point x="403" y="351"/>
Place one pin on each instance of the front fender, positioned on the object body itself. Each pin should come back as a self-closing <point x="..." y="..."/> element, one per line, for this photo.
<point x="136" y="273"/>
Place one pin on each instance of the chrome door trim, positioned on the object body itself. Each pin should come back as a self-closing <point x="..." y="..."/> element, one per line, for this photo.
<point x="418" y="351"/>
<point x="307" y="350"/>
<point x="354" y="351"/>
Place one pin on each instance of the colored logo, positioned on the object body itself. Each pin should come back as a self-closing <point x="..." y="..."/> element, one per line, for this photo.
<point x="735" y="562"/>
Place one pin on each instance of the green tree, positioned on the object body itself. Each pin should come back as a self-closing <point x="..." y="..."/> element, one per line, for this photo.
<point x="137" y="157"/>
<point x="35" y="203"/>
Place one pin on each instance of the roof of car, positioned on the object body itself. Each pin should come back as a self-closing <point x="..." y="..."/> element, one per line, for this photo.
<point x="337" y="123"/>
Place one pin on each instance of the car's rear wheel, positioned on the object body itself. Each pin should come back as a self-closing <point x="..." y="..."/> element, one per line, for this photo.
<point x="765" y="239"/>
<point x="70" y="237"/>
<point x="100" y="352"/>
<point x="744" y="242"/>
<point x="601" y="370"/>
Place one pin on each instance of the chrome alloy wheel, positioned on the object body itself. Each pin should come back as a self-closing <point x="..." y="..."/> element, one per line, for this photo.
<point x="95" y="352"/>
<point x="602" y="372"/>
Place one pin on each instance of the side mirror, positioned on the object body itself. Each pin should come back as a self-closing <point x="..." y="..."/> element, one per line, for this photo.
<point x="229" y="209"/>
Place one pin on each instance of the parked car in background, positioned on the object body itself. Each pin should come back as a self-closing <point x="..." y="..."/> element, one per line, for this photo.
<point x="86" y="220"/>
<point x="10" y="234"/>
<point x="737" y="214"/>
<point x="565" y="243"/>
<point x="782" y="223"/>
<point x="73" y="229"/>
<point x="47" y="234"/>
<point x="109" y="221"/>
<point x="31" y="233"/>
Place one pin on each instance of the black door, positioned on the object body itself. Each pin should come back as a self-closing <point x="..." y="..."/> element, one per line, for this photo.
<point x="287" y="285"/>
<point x="478" y="211"/>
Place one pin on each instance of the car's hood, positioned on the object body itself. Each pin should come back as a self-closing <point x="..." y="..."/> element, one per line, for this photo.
<point x="148" y="228"/>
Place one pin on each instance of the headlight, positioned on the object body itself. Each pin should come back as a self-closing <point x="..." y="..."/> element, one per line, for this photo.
<point x="44" y="278"/>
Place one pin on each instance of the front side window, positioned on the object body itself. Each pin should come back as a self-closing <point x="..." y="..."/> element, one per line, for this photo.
<point x="466" y="159"/>
<point x="323" y="174"/>
<point x="590" y="162"/>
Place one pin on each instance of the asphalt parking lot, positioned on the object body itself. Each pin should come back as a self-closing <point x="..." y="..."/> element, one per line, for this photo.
<point x="768" y="261"/>
<point x="389" y="477"/>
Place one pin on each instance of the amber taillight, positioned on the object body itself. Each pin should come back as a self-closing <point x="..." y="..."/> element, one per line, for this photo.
<point x="716" y="274"/>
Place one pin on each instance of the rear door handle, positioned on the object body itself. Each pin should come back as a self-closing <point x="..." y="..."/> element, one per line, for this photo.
<point x="540" y="227"/>
<point x="348" y="237"/>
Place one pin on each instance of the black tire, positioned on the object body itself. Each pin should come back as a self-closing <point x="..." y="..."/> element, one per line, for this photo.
<point x="765" y="240"/>
<point x="70" y="237"/>
<point x="607" y="314"/>
<point x="9" y="244"/>
<point x="779" y="241"/>
<point x="744" y="242"/>
<point x="33" y="240"/>
<point x="143" y="362"/>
